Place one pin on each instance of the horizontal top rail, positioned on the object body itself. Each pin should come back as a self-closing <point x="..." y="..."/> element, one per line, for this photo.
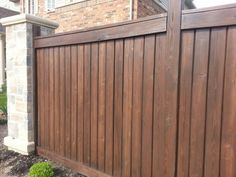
<point x="148" y="25"/>
<point x="191" y="19"/>
<point x="209" y="17"/>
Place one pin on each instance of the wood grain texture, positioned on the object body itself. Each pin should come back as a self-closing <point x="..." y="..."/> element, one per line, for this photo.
<point x="159" y="128"/>
<point x="214" y="102"/>
<point x="94" y="105"/>
<point x="145" y="103"/>
<point x="209" y="18"/>
<point x="198" y="109"/>
<point x="137" y="107"/>
<point x="87" y="104"/>
<point x="118" y="110"/>
<point x="170" y="85"/>
<point x="127" y="106"/>
<point x="185" y="101"/>
<point x="101" y="105"/>
<point x="109" y="144"/>
<point x="228" y="144"/>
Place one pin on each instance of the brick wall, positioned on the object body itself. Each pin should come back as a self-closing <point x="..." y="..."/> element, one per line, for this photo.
<point x="87" y="14"/>
<point x="148" y="8"/>
<point x="90" y="13"/>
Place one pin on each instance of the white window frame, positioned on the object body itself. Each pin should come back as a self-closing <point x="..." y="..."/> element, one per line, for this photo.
<point x="50" y="5"/>
<point x="33" y="7"/>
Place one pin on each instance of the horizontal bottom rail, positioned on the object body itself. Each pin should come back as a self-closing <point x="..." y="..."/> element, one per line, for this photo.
<point x="77" y="166"/>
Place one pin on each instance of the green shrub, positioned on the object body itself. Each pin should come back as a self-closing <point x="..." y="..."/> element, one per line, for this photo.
<point x="4" y="88"/>
<point x="42" y="169"/>
<point x="3" y="109"/>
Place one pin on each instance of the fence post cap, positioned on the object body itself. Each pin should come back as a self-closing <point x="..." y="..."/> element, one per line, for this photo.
<point x="27" y="18"/>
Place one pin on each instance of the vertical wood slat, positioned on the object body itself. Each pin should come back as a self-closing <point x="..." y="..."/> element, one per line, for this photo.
<point x="62" y="100"/>
<point x="137" y="107"/>
<point x="46" y="101"/>
<point x="39" y="64"/>
<point x="68" y="101"/>
<point x="51" y="99"/>
<point x="118" y="107"/>
<point x="80" y="122"/>
<point x="159" y="127"/>
<point x="74" y="96"/>
<point x="147" y="112"/>
<point x="87" y="103"/>
<point x="185" y="95"/>
<point x="110" y="63"/>
<point x="127" y="106"/>
<point x="101" y="106"/>
<point x="94" y="106"/>
<point x="214" y="102"/>
<point x="57" y="99"/>
<point x="228" y="145"/>
<point x="198" y="109"/>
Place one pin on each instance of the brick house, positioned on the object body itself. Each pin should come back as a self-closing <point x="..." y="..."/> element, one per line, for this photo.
<point x="77" y="14"/>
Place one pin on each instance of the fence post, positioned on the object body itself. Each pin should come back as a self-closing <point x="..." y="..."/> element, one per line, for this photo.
<point x="171" y="77"/>
<point x="20" y="69"/>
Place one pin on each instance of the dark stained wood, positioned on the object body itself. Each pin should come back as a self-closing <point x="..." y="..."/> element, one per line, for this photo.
<point x="57" y="99"/>
<point x="159" y="127"/>
<point x="67" y="108"/>
<point x="110" y="57"/>
<point x="101" y="106"/>
<point x="170" y="85"/>
<point x="51" y="100"/>
<point x="137" y="107"/>
<point x="118" y="92"/>
<point x="46" y="100"/>
<point x="39" y="64"/>
<point x="71" y="164"/>
<point x="214" y="102"/>
<point x="80" y="121"/>
<point x="94" y="105"/>
<point x="185" y="95"/>
<point x="147" y="112"/>
<point x="210" y="18"/>
<point x="144" y="103"/>
<point x="74" y="106"/>
<point x="127" y="106"/>
<point x="228" y="144"/>
<point x="198" y="106"/>
<point x="62" y="99"/>
<point x="87" y="103"/>
<point x="150" y="26"/>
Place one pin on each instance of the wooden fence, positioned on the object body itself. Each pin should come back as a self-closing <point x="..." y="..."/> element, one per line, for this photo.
<point x="117" y="101"/>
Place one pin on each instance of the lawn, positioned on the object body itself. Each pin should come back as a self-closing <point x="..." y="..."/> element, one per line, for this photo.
<point x="3" y="99"/>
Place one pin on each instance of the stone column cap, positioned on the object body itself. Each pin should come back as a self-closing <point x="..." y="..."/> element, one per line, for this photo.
<point x="23" y="18"/>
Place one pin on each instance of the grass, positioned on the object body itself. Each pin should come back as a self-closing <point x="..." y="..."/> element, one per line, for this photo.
<point x="3" y="99"/>
<point x="3" y="106"/>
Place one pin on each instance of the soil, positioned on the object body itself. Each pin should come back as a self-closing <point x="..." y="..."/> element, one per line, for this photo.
<point x="13" y="164"/>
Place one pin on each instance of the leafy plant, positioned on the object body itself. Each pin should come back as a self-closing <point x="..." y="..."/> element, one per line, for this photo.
<point x="4" y="88"/>
<point x="41" y="169"/>
<point x="3" y="109"/>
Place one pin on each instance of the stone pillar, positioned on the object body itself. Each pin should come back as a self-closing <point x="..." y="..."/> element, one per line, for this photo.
<point x="2" y="59"/>
<point x="20" y="69"/>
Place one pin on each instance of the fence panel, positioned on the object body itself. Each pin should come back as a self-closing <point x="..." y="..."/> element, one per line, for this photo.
<point x="102" y="106"/>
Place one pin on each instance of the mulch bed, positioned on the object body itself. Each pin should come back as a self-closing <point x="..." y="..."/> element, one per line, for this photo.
<point x="13" y="164"/>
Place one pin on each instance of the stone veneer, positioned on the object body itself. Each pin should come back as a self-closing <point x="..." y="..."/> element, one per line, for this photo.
<point x="20" y="31"/>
